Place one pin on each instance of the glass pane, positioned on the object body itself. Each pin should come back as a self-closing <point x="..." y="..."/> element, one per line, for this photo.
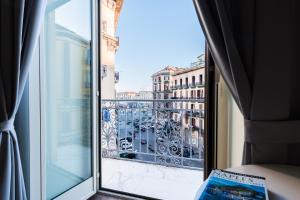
<point x="67" y="94"/>
<point x="152" y="98"/>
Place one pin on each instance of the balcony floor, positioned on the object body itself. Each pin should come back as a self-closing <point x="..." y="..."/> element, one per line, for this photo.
<point x="168" y="183"/>
<point x="104" y="196"/>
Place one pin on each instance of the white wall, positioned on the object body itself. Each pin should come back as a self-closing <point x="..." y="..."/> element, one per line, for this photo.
<point x="236" y="134"/>
<point x="230" y="129"/>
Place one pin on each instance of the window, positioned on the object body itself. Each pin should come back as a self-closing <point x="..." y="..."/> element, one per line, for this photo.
<point x="193" y="80"/>
<point x="201" y="79"/>
<point x="66" y="96"/>
<point x="143" y="138"/>
<point x="193" y="122"/>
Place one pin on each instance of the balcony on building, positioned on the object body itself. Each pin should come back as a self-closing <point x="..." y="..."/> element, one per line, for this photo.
<point x="192" y="85"/>
<point x="113" y="41"/>
<point x="151" y="137"/>
<point x="200" y="84"/>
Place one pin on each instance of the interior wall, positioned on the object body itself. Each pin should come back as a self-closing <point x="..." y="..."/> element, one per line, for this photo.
<point x="236" y="134"/>
<point x="222" y="125"/>
<point x="230" y="129"/>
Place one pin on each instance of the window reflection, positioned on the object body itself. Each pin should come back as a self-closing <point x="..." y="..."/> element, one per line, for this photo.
<point x="67" y="94"/>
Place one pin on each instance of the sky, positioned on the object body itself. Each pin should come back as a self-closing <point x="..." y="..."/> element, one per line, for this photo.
<point x="68" y="16"/>
<point x="154" y="34"/>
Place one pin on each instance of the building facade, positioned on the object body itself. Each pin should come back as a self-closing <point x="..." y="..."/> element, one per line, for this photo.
<point x="110" y="11"/>
<point x="186" y="87"/>
<point x="162" y="82"/>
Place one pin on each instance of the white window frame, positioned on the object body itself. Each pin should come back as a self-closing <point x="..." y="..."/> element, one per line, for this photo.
<point x="36" y="136"/>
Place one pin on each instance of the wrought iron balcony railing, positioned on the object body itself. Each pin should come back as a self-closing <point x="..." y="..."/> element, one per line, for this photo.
<point x="200" y="84"/>
<point x="179" y="86"/>
<point x="153" y="131"/>
<point x="192" y="85"/>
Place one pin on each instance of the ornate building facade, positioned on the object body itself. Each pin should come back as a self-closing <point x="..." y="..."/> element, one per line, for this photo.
<point x="110" y="12"/>
<point x="185" y="90"/>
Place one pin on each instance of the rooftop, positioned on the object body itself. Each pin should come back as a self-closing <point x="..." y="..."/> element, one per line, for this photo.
<point x="171" y="70"/>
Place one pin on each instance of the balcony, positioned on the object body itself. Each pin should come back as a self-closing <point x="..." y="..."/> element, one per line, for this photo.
<point x="195" y="113"/>
<point x="173" y="87"/>
<point x="147" y="141"/>
<point x="192" y="85"/>
<point x="168" y="90"/>
<point x="150" y="180"/>
<point x="200" y="84"/>
<point x="143" y="131"/>
<point x="112" y="40"/>
<point x="179" y="87"/>
<point x="185" y="86"/>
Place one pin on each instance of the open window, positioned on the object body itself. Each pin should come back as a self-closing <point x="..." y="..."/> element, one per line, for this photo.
<point x="153" y="119"/>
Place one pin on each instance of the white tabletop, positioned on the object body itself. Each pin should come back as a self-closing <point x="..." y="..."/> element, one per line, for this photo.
<point x="283" y="181"/>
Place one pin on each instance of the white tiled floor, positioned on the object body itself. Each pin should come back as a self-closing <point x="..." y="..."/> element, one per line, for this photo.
<point x="168" y="183"/>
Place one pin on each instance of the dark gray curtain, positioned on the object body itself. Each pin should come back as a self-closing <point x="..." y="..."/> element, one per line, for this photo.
<point x="20" y="22"/>
<point x="255" y="45"/>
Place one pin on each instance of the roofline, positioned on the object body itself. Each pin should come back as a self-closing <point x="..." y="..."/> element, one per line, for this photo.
<point x="188" y="70"/>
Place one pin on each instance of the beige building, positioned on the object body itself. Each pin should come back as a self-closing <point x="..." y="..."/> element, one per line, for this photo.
<point x="187" y="84"/>
<point x="162" y="82"/>
<point x="110" y="11"/>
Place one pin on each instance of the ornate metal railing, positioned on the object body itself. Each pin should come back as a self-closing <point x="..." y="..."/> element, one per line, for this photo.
<point x="154" y="131"/>
<point x="200" y="84"/>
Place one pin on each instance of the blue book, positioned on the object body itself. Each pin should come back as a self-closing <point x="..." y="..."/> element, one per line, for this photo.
<point x="232" y="186"/>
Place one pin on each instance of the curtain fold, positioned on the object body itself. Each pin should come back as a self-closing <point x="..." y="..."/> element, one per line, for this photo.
<point x="255" y="46"/>
<point x="20" y="22"/>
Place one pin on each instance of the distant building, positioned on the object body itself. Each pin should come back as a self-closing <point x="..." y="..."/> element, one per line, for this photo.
<point x="141" y="95"/>
<point x="126" y="95"/>
<point x="162" y="82"/>
<point x="145" y="95"/>
<point x="187" y="84"/>
<point x="110" y="11"/>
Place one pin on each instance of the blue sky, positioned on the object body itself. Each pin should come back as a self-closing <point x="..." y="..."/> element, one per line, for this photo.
<point x="154" y="34"/>
<point x="78" y="22"/>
